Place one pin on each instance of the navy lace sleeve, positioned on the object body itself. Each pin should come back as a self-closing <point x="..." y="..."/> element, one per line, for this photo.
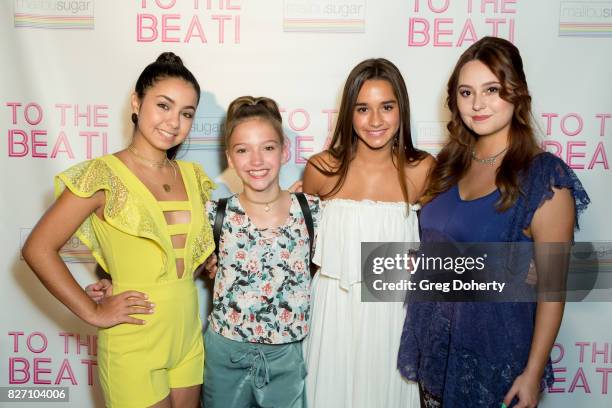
<point x="546" y="172"/>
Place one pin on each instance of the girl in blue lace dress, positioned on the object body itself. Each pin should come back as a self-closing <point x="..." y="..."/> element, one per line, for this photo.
<point x="492" y="183"/>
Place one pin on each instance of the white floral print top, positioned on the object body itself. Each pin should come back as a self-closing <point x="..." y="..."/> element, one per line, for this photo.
<point x="262" y="288"/>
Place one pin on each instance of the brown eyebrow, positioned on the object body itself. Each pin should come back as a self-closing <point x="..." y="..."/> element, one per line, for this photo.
<point x="382" y="103"/>
<point x="485" y="84"/>
<point x="173" y="102"/>
<point x="276" y="141"/>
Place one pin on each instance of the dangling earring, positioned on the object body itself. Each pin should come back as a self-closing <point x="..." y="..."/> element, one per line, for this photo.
<point x="134" y="118"/>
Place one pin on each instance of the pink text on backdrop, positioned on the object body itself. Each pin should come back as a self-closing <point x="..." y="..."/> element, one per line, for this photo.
<point x="577" y="153"/>
<point x="299" y="121"/>
<point x="79" y="125"/>
<point x="46" y="369"/>
<point x="591" y="376"/>
<point x="218" y="20"/>
<point x="447" y="31"/>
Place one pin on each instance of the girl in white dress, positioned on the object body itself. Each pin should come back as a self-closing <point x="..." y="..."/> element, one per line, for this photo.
<point x="370" y="178"/>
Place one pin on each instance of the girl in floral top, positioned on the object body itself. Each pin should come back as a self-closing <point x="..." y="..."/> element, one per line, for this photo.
<point x="261" y="301"/>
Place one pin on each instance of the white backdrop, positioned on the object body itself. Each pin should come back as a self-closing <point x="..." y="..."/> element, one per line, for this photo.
<point x="67" y="69"/>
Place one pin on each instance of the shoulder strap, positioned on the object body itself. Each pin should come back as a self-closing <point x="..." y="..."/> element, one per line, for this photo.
<point x="308" y="219"/>
<point x="219" y="216"/>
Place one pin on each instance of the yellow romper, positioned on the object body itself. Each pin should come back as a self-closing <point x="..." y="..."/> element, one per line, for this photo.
<point x="138" y="364"/>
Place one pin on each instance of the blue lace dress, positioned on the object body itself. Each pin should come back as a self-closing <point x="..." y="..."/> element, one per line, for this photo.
<point x="468" y="354"/>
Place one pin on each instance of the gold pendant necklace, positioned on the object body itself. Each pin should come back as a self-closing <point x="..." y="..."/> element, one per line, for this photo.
<point x="152" y="163"/>
<point x="267" y="204"/>
<point x="157" y="164"/>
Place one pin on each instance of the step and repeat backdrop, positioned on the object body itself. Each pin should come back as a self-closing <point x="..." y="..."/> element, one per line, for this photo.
<point x="67" y="68"/>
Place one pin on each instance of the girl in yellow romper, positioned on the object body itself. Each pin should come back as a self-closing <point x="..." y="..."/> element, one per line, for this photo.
<point x="142" y="215"/>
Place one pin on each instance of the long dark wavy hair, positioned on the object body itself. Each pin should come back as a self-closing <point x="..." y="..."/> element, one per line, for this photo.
<point x="343" y="145"/>
<point x="504" y="60"/>
<point x="167" y="65"/>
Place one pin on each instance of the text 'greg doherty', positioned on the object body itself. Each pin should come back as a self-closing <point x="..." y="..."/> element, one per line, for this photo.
<point x="413" y="263"/>
<point x="428" y="286"/>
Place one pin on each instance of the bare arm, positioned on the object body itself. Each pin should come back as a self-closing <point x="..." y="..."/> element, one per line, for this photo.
<point x="553" y="222"/>
<point x="418" y="177"/>
<point x="314" y="181"/>
<point x="41" y="252"/>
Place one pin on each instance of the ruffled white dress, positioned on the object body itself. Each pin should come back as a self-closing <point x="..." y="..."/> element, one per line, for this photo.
<point x="351" y="351"/>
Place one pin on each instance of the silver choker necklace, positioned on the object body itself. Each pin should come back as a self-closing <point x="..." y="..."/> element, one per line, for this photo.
<point x="488" y="160"/>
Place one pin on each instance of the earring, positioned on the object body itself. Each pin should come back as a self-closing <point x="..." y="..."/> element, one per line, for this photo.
<point x="134" y="118"/>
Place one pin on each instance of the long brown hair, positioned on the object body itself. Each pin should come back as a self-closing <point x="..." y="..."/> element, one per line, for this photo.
<point x="344" y="141"/>
<point x="504" y="60"/>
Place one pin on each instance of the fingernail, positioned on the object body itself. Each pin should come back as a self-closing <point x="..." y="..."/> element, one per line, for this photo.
<point x="146" y="296"/>
<point x="503" y="405"/>
<point x="151" y="304"/>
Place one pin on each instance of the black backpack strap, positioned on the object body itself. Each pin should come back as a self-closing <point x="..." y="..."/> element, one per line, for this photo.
<point x="308" y="219"/>
<point x="419" y="224"/>
<point x="219" y="216"/>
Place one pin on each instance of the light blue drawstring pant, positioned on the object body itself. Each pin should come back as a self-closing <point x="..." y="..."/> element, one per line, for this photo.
<point x="252" y="375"/>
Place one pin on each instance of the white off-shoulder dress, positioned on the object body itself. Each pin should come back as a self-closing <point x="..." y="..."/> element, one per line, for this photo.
<point x="351" y="351"/>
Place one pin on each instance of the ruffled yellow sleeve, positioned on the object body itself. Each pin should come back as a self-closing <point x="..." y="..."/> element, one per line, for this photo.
<point x="85" y="179"/>
<point x="205" y="184"/>
<point x="204" y="243"/>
